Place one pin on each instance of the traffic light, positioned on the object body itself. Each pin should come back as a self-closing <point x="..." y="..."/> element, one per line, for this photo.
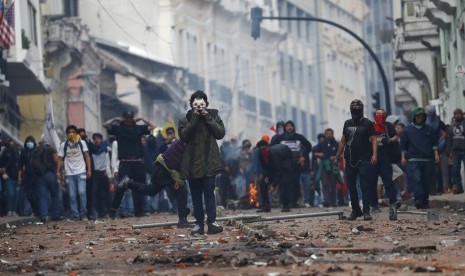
<point x="256" y="16"/>
<point x="375" y="101"/>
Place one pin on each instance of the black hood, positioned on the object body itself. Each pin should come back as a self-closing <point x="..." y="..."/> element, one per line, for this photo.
<point x="30" y="138"/>
<point x="289" y="135"/>
<point x="290" y="123"/>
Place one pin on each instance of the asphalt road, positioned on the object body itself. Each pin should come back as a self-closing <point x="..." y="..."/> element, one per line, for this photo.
<point x="304" y="246"/>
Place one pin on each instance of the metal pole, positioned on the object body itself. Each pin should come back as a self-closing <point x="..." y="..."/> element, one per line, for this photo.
<point x="249" y="218"/>
<point x="367" y="47"/>
<point x="305" y="215"/>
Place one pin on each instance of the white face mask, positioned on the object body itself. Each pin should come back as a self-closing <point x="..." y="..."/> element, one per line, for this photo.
<point x="199" y="104"/>
<point x="30" y="145"/>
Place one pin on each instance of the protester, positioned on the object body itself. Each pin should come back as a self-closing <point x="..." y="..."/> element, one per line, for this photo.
<point x="9" y="171"/>
<point x="165" y="174"/>
<point x="100" y="173"/>
<point x="75" y="158"/>
<point x="130" y="155"/>
<point x="200" y="129"/>
<point x="326" y="151"/>
<point x="26" y="178"/>
<point x="385" y="138"/>
<point x="360" y="153"/>
<point x="277" y="162"/>
<point x="419" y="152"/>
<point x="439" y="131"/>
<point x="456" y="148"/>
<point x="301" y="148"/>
<point x="45" y="165"/>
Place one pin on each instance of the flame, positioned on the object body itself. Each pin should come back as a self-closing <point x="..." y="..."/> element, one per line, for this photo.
<point x="253" y="195"/>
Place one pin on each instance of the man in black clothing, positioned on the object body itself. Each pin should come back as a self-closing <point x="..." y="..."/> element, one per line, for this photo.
<point x="128" y="135"/>
<point x="456" y="148"/>
<point x="277" y="164"/>
<point x="326" y="150"/>
<point x="360" y="152"/>
<point x="301" y="149"/>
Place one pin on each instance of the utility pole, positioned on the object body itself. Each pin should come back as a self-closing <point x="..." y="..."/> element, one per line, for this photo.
<point x="256" y="16"/>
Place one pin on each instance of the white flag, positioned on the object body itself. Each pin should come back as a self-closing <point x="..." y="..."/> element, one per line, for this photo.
<point x="50" y="133"/>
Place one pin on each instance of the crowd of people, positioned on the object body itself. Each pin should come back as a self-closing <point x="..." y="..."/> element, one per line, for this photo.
<point x="139" y="170"/>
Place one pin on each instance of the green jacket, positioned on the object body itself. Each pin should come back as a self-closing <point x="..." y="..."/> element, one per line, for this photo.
<point x="202" y="155"/>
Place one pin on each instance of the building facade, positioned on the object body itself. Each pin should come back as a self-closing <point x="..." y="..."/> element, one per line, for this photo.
<point x="378" y="33"/>
<point x="341" y="60"/>
<point x="22" y="72"/>
<point x="429" y="54"/>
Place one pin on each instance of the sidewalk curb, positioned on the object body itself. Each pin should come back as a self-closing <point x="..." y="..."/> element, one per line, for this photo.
<point x="440" y="203"/>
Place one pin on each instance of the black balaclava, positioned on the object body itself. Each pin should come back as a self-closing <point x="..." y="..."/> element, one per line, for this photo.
<point x="356" y="110"/>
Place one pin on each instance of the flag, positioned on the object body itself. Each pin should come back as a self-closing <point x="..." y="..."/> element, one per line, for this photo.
<point x="50" y="133"/>
<point x="7" y="25"/>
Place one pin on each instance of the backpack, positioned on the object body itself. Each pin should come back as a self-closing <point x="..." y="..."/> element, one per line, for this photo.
<point x="41" y="161"/>
<point x="65" y="149"/>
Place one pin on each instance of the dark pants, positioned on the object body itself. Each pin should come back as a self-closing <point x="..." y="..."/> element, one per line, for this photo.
<point x="459" y="158"/>
<point x="329" y="188"/>
<point x="382" y="169"/>
<point x="286" y="183"/>
<point x="264" y="195"/>
<point x="100" y="193"/>
<point x="420" y="175"/>
<point x="203" y="188"/>
<point x="293" y="178"/>
<point x="27" y="195"/>
<point x="362" y="170"/>
<point x="161" y="179"/>
<point x="47" y="186"/>
<point x="136" y="171"/>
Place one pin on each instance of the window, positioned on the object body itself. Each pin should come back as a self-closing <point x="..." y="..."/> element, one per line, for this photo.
<point x="71" y="8"/>
<point x="265" y="109"/>
<point x="32" y="22"/>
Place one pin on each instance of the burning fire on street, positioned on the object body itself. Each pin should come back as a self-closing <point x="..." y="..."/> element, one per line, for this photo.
<point x="253" y="195"/>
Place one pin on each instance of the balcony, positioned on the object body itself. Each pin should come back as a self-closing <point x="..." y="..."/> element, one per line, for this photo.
<point x="25" y="72"/>
<point x="10" y="117"/>
<point x="437" y="16"/>
<point x="447" y="6"/>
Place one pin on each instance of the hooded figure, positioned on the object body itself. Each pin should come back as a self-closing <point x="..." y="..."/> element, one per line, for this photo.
<point x="418" y="117"/>
<point x="300" y="148"/>
<point x="26" y="173"/>
<point x="356" y="110"/>
<point x="419" y="150"/>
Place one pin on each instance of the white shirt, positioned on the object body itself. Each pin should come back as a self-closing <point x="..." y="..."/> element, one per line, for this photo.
<point x="74" y="161"/>
<point x="114" y="157"/>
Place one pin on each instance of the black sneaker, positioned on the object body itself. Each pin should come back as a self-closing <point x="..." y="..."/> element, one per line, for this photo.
<point x="214" y="228"/>
<point x="393" y="210"/>
<point x="367" y="216"/>
<point x="183" y="223"/>
<point x="123" y="183"/>
<point x="112" y="213"/>
<point x="197" y="230"/>
<point x="354" y="215"/>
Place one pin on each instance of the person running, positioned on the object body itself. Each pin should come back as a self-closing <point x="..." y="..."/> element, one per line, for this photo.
<point x="165" y="174"/>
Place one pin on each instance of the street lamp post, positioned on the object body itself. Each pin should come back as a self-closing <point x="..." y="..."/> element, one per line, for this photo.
<point x="256" y="16"/>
